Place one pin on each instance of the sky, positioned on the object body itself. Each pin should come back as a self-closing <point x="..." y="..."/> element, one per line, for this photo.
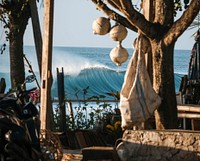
<point x="73" y="27"/>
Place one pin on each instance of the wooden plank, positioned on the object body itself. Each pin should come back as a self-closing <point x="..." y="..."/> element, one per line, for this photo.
<point x="189" y="115"/>
<point x="46" y="80"/>
<point x="189" y="108"/>
<point x="81" y="139"/>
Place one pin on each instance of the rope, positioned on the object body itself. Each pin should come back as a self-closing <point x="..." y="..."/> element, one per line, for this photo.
<point x="198" y="23"/>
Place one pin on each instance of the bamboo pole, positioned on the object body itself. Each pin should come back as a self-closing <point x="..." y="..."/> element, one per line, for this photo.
<point x="189" y="108"/>
<point x="36" y="32"/>
<point x="189" y="115"/>
<point x="46" y="80"/>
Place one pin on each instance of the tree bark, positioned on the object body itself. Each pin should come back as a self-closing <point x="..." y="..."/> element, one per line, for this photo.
<point x="162" y="33"/>
<point x="17" y="73"/>
<point x="163" y="76"/>
<point x="17" y="26"/>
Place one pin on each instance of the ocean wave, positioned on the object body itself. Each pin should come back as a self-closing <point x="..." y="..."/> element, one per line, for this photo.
<point x="89" y="68"/>
<point x="97" y="81"/>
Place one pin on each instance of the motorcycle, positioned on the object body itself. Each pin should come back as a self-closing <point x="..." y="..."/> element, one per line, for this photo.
<point x="19" y="126"/>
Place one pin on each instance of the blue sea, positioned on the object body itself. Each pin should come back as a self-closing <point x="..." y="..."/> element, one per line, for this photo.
<point x="87" y="68"/>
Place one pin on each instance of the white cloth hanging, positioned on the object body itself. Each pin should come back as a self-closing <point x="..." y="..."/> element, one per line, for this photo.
<point x="138" y="100"/>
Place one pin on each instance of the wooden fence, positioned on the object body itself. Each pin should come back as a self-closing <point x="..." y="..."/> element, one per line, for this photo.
<point x="188" y="113"/>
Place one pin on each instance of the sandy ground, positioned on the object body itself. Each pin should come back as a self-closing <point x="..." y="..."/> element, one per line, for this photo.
<point x="72" y="155"/>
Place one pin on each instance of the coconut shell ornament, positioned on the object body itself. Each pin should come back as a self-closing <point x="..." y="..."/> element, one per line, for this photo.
<point x="119" y="55"/>
<point x="118" y="32"/>
<point x="101" y="26"/>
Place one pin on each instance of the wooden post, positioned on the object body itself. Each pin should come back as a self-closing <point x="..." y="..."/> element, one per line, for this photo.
<point x="2" y="85"/>
<point x="71" y="114"/>
<point x="36" y="32"/>
<point x="148" y="12"/>
<point x="147" y="6"/>
<point x="61" y="97"/>
<point x="46" y="80"/>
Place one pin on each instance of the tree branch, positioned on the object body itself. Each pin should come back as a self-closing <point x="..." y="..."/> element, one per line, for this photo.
<point x="113" y="15"/>
<point x="127" y="7"/>
<point x="137" y="19"/>
<point x="183" y="22"/>
<point x="4" y="21"/>
<point x="115" y="3"/>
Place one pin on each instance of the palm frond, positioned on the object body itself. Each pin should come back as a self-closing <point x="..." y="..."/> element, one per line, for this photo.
<point x="195" y="23"/>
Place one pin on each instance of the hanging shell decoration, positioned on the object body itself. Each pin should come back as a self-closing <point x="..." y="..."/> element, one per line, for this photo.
<point x="101" y="26"/>
<point x="118" y="32"/>
<point x="119" y="55"/>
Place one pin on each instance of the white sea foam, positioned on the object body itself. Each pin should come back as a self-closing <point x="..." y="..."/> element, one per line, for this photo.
<point x="73" y="64"/>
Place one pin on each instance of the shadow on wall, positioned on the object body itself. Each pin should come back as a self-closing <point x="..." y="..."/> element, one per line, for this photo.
<point x="159" y="146"/>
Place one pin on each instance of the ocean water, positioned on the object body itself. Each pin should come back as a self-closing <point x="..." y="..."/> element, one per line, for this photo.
<point x="87" y="68"/>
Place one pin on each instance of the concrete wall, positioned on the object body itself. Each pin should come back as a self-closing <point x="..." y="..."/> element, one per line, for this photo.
<point x="144" y="145"/>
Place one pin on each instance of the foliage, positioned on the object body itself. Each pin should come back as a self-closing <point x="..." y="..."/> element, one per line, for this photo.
<point x="178" y="5"/>
<point x="86" y="116"/>
<point x="2" y="48"/>
<point x="97" y="115"/>
<point x="196" y="23"/>
<point x="9" y="10"/>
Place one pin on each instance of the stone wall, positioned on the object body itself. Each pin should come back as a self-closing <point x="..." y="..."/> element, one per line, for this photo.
<point x="144" y="145"/>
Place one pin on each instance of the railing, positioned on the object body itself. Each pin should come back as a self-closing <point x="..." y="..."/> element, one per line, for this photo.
<point x="190" y="113"/>
<point x="185" y="111"/>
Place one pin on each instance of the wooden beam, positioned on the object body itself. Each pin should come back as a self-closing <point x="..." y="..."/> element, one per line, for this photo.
<point x="189" y="115"/>
<point x="36" y="32"/>
<point x="148" y="12"/>
<point x="46" y="80"/>
<point x="189" y="108"/>
<point x="147" y="6"/>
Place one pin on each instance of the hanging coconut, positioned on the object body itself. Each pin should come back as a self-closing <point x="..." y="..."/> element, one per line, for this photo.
<point x="118" y="32"/>
<point x="119" y="55"/>
<point x="101" y="26"/>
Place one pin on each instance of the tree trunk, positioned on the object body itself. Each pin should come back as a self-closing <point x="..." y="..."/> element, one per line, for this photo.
<point x="17" y="73"/>
<point x="163" y="75"/>
<point x="17" y="26"/>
